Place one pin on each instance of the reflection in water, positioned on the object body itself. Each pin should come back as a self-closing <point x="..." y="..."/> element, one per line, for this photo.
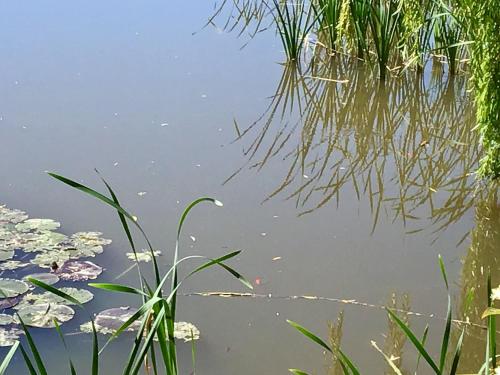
<point x="394" y="342"/>
<point x="245" y="17"/>
<point x="407" y="145"/>
<point x="482" y="257"/>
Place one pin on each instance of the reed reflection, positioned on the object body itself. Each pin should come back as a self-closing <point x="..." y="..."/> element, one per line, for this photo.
<point x="407" y="146"/>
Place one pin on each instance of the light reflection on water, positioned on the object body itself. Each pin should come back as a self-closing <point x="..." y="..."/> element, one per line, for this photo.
<point x="380" y="175"/>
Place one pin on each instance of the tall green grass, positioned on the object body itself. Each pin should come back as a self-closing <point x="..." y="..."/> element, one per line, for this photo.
<point x="157" y="312"/>
<point x="294" y="22"/>
<point x="448" y="359"/>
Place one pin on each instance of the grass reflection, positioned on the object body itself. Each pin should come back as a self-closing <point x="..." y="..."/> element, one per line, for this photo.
<point x="406" y="145"/>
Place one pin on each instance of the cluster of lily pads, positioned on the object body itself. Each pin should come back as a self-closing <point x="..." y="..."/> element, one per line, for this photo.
<point x="33" y="248"/>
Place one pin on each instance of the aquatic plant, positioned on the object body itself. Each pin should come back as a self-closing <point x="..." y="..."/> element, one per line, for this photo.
<point x="154" y="320"/>
<point x="294" y="21"/>
<point x="482" y="23"/>
<point x="385" y="20"/>
<point x="448" y="361"/>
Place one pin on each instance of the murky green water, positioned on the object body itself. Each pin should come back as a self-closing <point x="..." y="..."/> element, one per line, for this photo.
<point x="347" y="190"/>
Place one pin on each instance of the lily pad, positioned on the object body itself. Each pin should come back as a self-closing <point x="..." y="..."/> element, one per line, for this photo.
<point x="8" y="337"/>
<point x="43" y="315"/>
<point x="109" y="321"/>
<point x="82" y="295"/>
<point x="6" y="255"/>
<point x="12" y="265"/>
<point x="79" y="270"/>
<point x="143" y="256"/>
<point x="47" y="278"/>
<point x="12" y="288"/>
<point x="6" y="319"/>
<point x="11" y="216"/>
<point x="7" y="303"/>
<point x="47" y="258"/>
<point x="37" y="225"/>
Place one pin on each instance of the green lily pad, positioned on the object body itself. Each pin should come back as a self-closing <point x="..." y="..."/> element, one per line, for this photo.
<point x="47" y="278"/>
<point x="110" y="320"/>
<point x="9" y="337"/>
<point x="12" y="288"/>
<point x="79" y="270"/>
<point x="37" y="225"/>
<point x="6" y="255"/>
<point x="47" y="258"/>
<point x="143" y="256"/>
<point x="12" y="265"/>
<point x="82" y="295"/>
<point x="43" y="315"/>
<point x="42" y="241"/>
<point x="11" y="216"/>
<point x="6" y="319"/>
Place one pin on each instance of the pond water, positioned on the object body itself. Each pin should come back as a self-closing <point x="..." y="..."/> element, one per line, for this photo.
<point x="346" y="190"/>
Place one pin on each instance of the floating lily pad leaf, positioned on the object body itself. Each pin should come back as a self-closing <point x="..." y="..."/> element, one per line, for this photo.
<point x="12" y="288"/>
<point x="31" y="299"/>
<point x="47" y="278"/>
<point x="7" y="303"/>
<point x="12" y="265"/>
<point x="108" y="322"/>
<point x="6" y="255"/>
<point x="43" y="315"/>
<point x="8" y="337"/>
<point x="79" y="270"/>
<point x="43" y="241"/>
<point x="142" y="256"/>
<point x="6" y="319"/>
<point x="186" y="331"/>
<point x="82" y="251"/>
<point x="11" y="216"/>
<point x="89" y="239"/>
<point x="37" y="225"/>
<point x="47" y="258"/>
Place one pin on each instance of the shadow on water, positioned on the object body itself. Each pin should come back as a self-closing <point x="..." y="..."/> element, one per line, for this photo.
<point x="408" y="145"/>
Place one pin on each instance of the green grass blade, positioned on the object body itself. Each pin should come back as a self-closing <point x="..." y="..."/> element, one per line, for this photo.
<point x="456" y="357"/>
<point x="443" y="271"/>
<point x="27" y="361"/>
<point x="418" y="345"/>
<point x="95" y="350"/>
<point x="348" y="362"/>
<point x="54" y="290"/>
<point x="297" y="372"/>
<point x="147" y="342"/>
<point x="8" y="358"/>
<point x="309" y="335"/>
<point x="117" y="288"/>
<point x="33" y="348"/>
<point x="218" y="261"/>
<point x="446" y="337"/>
<point x="61" y="336"/>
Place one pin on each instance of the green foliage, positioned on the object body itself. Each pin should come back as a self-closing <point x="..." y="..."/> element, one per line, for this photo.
<point x="155" y="318"/>
<point x="483" y="27"/>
